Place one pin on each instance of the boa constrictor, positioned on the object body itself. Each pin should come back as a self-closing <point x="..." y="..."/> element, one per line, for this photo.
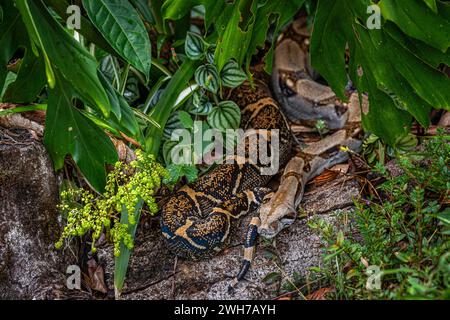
<point x="197" y="221"/>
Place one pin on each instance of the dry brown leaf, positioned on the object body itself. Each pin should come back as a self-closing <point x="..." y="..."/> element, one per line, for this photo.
<point x="285" y="298"/>
<point x="364" y="262"/>
<point x="319" y="294"/>
<point x="125" y="153"/>
<point x="97" y="277"/>
<point x="326" y="176"/>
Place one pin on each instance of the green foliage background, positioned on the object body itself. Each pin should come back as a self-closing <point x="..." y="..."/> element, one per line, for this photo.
<point x="396" y="65"/>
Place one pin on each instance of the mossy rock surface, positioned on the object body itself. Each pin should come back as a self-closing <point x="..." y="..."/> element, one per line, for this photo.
<point x="30" y="267"/>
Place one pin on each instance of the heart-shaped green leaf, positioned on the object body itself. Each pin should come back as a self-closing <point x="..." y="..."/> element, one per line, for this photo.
<point x="178" y="151"/>
<point x="210" y="52"/>
<point x="166" y="150"/>
<point x="207" y="77"/>
<point x="232" y="75"/>
<point x="226" y="115"/>
<point x="194" y="46"/>
<point x="172" y="124"/>
<point x="185" y="119"/>
<point x="201" y="105"/>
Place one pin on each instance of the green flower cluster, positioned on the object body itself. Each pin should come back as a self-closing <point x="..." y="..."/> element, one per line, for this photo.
<point x="126" y="186"/>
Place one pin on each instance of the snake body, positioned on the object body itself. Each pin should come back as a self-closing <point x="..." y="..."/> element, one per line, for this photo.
<point x="197" y="220"/>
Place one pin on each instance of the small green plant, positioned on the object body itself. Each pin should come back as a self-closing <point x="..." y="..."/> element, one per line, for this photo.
<point x="127" y="185"/>
<point x="405" y="236"/>
<point x="321" y="127"/>
<point x="205" y="108"/>
<point x="375" y="150"/>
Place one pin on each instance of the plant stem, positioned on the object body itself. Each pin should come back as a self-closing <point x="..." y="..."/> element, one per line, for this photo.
<point x="155" y="8"/>
<point x="123" y="81"/>
<point x="165" y="105"/>
<point x="139" y="75"/>
<point x="161" y="68"/>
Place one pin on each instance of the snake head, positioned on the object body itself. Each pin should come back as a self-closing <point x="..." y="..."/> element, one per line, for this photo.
<point x="302" y="99"/>
<point x="272" y="226"/>
<point x="275" y="216"/>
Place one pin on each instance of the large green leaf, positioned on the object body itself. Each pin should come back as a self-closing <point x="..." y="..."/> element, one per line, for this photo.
<point x="176" y="9"/>
<point x="167" y="102"/>
<point x="122" y="116"/>
<point x="272" y="13"/>
<point x="401" y="79"/>
<point x="234" y="41"/>
<point x="247" y="28"/>
<point x="89" y="32"/>
<point x="10" y="78"/>
<point x="332" y="31"/>
<point x="69" y="132"/>
<point x="29" y="82"/>
<point x="418" y="20"/>
<point x="428" y="54"/>
<point x="432" y="5"/>
<point x="381" y="67"/>
<point x="61" y="51"/>
<point x="12" y="37"/>
<point x="122" y="27"/>
<point x="31" y="73"/>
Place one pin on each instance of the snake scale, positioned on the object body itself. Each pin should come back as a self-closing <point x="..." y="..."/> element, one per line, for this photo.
<point x="198" y="220"/>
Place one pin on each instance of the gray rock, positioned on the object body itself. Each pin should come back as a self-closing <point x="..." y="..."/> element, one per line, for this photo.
<point x="29" y="265"/>
<point x="151" y="274"/>
<point x="394" y="168"/>
<point x="334" y="195"/>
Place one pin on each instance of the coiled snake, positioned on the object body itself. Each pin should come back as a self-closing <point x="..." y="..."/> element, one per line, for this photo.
<point x="197" y="220"/>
